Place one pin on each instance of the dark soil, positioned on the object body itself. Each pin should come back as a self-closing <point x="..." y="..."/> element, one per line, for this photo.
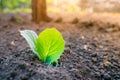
<point x="92" y="50"/>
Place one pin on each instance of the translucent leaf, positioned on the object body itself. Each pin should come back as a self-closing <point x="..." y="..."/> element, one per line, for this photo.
<point x="31" y="38"/>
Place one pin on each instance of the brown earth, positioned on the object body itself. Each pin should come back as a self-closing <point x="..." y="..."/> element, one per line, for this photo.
<point x="92" y="50"/>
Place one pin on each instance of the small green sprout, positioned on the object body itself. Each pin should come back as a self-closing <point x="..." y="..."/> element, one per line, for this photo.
<point x="48" y="45"/>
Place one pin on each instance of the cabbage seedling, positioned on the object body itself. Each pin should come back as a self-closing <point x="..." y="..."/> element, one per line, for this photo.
<point x="48" y="45"/>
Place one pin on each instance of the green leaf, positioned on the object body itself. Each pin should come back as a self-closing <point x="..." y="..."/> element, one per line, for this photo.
<point x="50" y="45"/>
<point x="31" y="38"/>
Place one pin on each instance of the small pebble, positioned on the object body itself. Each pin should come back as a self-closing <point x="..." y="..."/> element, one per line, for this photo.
<point x="22" y="66"/>
<point x="25" y="78"/>
<point x="94" y="55"/>
<point x="107" y="77"/>
<point x="94" y="60"/>
<point x="13" y="74"/>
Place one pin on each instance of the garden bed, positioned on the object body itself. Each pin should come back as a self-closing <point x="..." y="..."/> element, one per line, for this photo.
<point x="90" y="52"/>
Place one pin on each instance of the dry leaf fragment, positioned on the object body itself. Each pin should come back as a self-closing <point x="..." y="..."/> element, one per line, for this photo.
<point x="82" y="37"/>
<point x="12" y="43"/>
<point x="85" y="47"/>
<point x="105" y="63"/>
<point x="100" y="46"/>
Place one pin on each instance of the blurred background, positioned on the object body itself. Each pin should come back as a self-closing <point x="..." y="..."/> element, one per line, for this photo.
<point x="56" y="6"/>
<point x="15" y="5"/>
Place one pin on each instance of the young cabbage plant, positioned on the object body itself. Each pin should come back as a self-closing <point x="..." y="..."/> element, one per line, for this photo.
<point x="48" y="45"/>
